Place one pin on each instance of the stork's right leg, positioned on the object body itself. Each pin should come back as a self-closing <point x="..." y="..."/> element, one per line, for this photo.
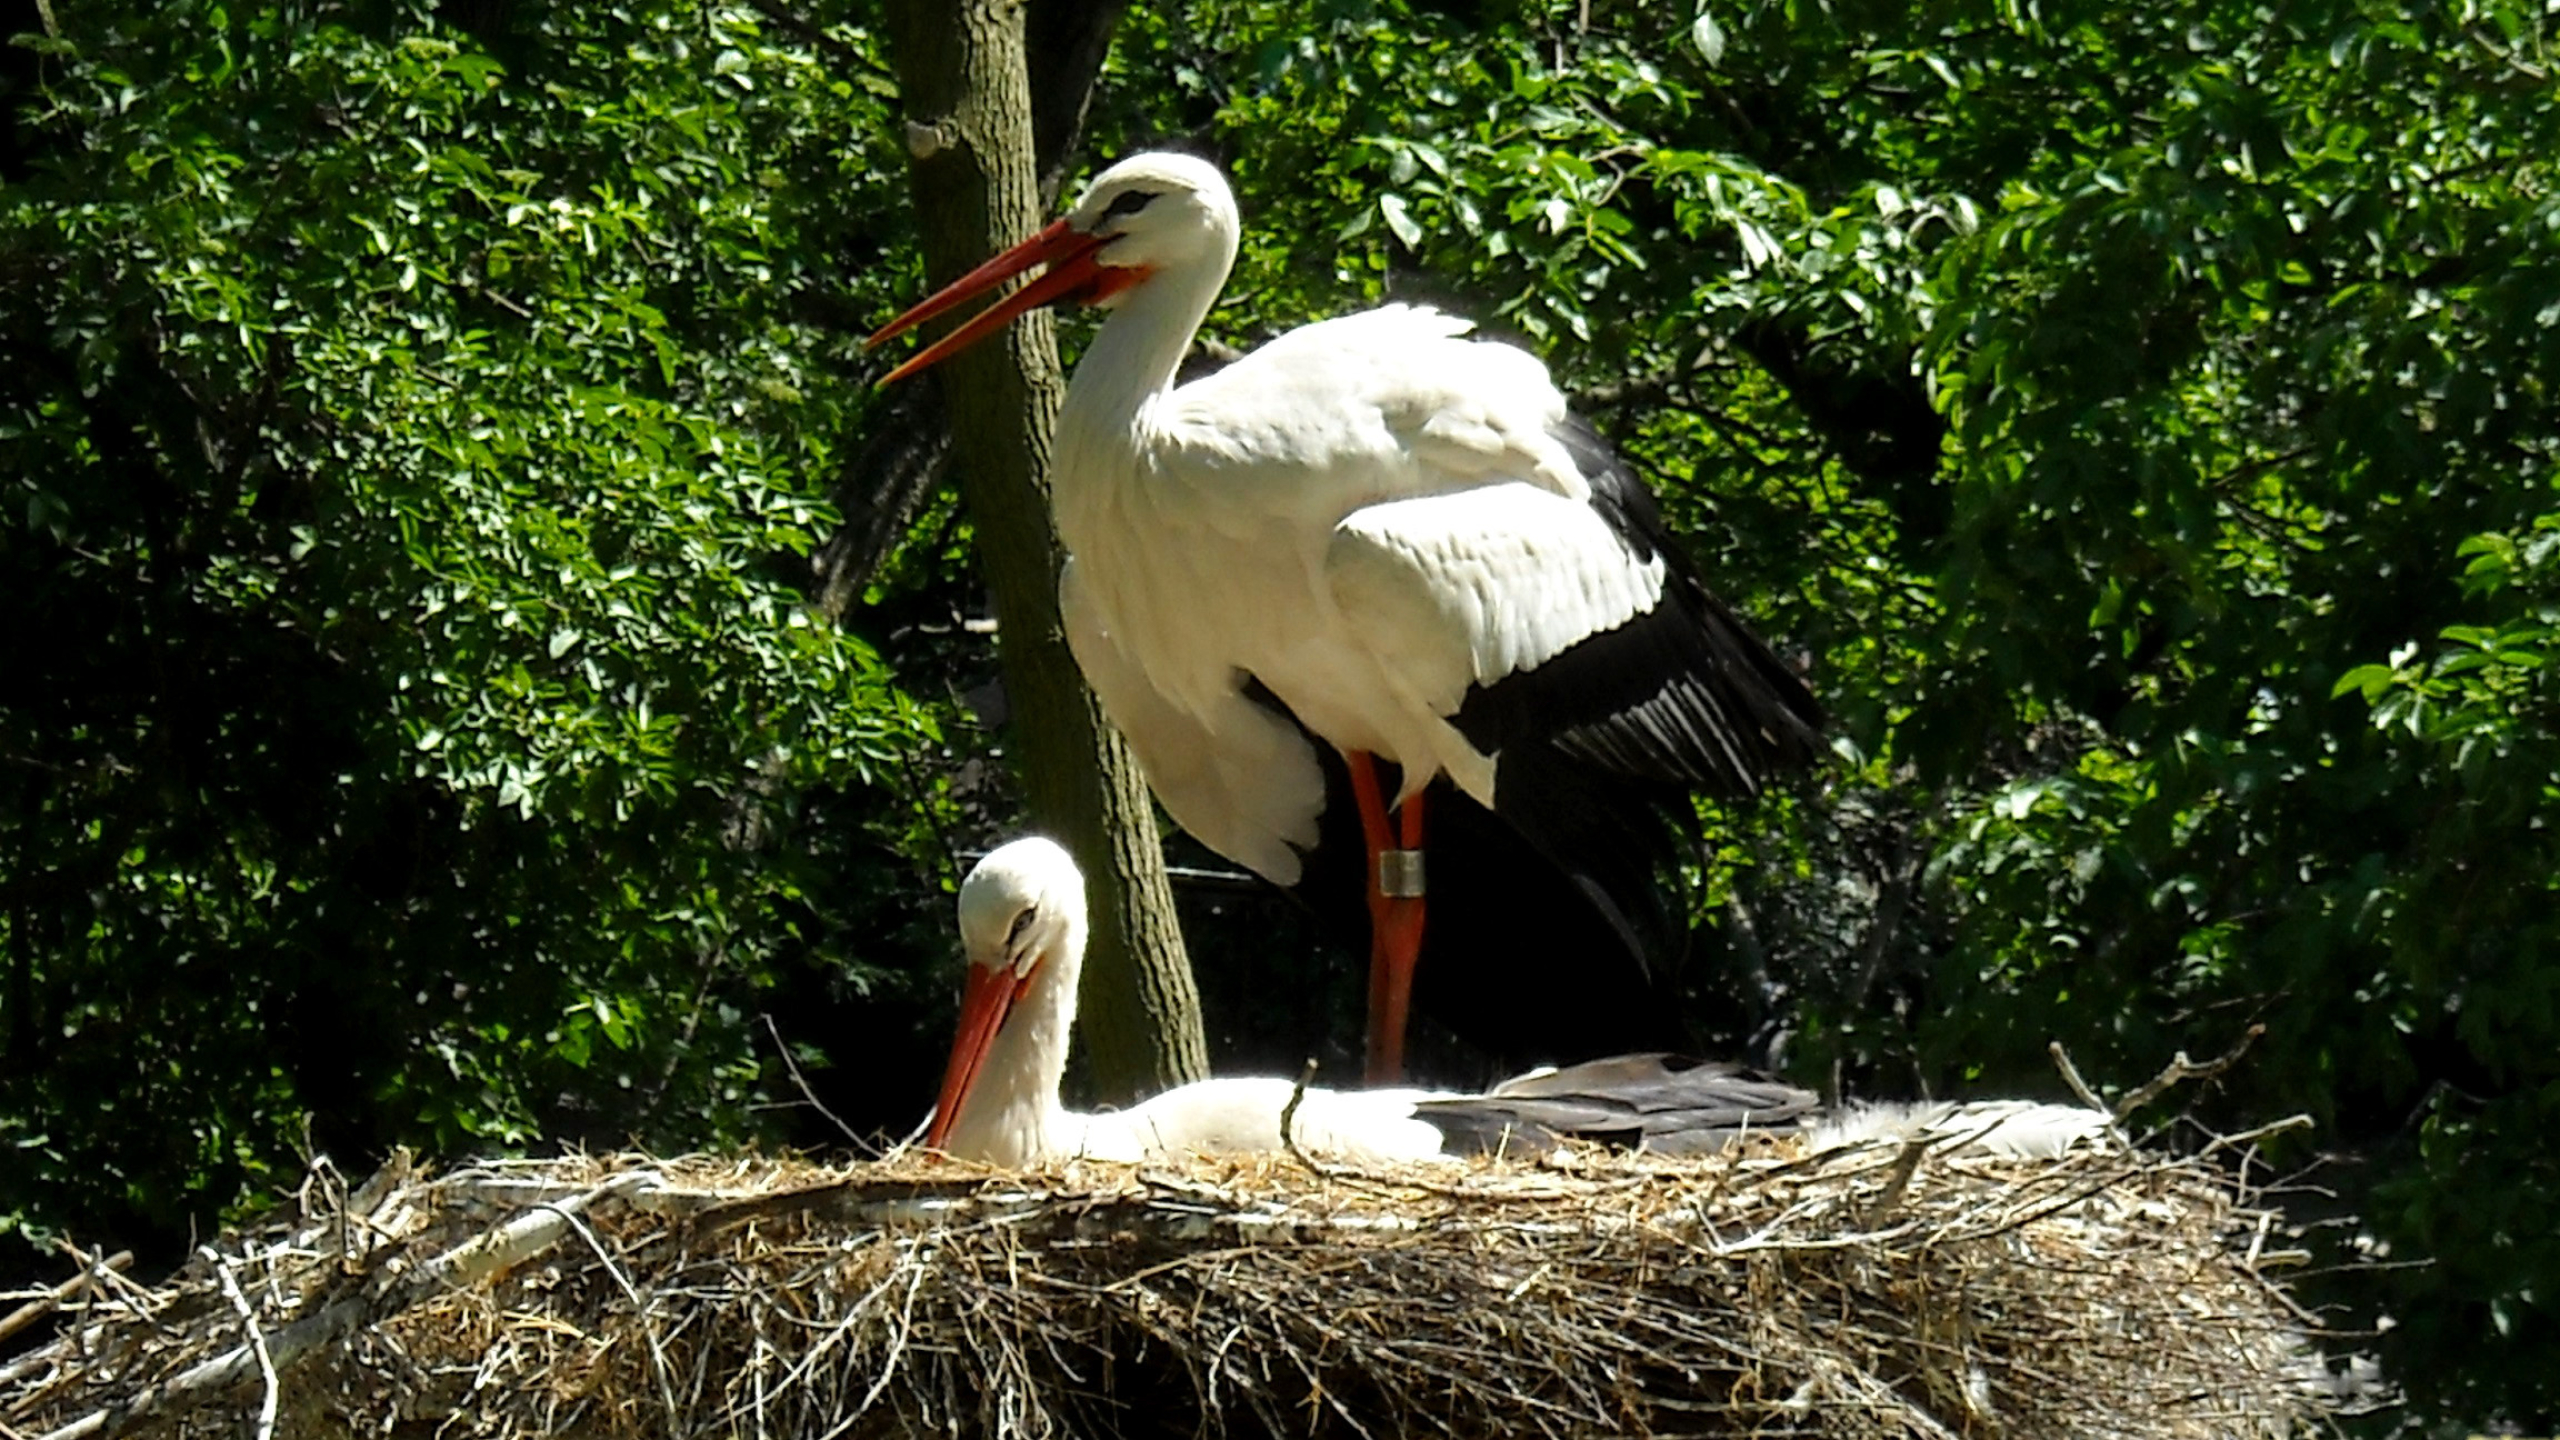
<point x="1395" y="916"/>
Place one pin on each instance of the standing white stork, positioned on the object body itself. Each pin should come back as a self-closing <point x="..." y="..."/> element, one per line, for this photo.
<point x="1384" y="534"/>
<point x="1022" y="925"/>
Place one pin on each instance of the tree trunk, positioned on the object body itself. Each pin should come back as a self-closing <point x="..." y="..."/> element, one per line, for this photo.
<point x="968" y="102"/>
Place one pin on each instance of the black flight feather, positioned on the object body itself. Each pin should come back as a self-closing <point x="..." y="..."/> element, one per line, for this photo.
<point x="1663" y="1103"/>
<point x="1681" y="694"/>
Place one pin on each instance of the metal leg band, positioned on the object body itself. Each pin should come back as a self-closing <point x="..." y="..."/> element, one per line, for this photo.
<point x="1400" y="874"/>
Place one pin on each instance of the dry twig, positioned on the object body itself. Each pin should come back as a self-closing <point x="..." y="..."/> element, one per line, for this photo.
<point x="257" y="1341"/>
<point x="1765" y="1291"/>
<point x="2181" y="1069"/>
<point x="43" y="1304"/>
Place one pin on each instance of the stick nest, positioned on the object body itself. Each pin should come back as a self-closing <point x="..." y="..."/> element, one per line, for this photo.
<point x="1766" y="1292"/>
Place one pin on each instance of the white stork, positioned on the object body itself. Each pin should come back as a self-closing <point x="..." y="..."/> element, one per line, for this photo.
<point x="1382" y="533"/>
<point x="1022" y="924"/>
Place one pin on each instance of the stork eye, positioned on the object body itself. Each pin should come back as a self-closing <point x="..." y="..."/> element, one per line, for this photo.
<point x="1013" y="933"/>
<point x="1127" y="202"/>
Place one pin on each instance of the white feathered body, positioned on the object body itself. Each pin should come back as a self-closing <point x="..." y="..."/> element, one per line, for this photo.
<point x="1241" y="1116"/>
<point x="1368" y="515"/>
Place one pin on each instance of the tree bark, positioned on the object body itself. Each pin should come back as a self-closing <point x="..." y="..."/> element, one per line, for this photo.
<point x="962" y="69"/>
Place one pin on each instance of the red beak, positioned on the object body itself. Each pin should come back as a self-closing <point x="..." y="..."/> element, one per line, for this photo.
<point x="991" y="995"/>
<point x="1073" y="273"/>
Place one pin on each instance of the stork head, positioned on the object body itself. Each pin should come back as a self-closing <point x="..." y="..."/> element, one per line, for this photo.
<point x="1022" y="919"/>
<point x="1149" y="213"/>
<point x="1155" y="212"/>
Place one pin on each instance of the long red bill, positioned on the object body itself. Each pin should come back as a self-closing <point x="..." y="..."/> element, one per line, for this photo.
<point x="990" y="996"/>
<point x="1068" y="253"/>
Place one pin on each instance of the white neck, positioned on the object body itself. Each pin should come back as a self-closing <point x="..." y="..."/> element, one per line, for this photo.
<point x="1130" y="363"/>
<point x="1012" y="1116"/>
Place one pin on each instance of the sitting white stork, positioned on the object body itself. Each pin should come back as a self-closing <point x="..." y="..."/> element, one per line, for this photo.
<point x="1385" y="534"/>
<point x="1022" y="924"/>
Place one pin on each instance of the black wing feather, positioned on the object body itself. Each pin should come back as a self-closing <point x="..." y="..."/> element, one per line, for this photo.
<point x="1682" y="693"/>
<point x="1663" y="1103"/>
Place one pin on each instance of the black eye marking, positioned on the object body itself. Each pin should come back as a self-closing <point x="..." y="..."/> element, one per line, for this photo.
<point x="1013" y="932"/>
<point x="1127" y="202"/>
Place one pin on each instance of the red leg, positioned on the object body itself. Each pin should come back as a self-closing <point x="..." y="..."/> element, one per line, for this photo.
<point x="1395" y="921"/>
<point x="1399" y="949"/>
<point x="1374" y="827"/>
<point x="1379" y="835"/>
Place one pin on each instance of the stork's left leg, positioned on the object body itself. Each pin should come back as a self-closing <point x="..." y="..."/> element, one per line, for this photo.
<point x="1395" y="916"/>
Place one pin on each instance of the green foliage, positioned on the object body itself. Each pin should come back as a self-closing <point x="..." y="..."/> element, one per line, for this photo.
<point x="415" y="731"/>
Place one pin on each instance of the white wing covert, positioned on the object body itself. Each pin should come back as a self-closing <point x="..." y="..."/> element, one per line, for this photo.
<point x="1390" y="402"/>
<point x="1467" y="588"/>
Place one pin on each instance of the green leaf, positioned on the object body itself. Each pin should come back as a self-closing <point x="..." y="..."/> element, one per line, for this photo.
<point x="1708" y="36"/>
<point x="1400" y="220"/>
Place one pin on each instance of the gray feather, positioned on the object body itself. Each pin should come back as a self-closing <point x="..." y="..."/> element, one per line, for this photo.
<point x="1666" y="1104"/>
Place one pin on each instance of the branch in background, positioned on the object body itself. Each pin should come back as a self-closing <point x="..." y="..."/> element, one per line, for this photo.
<point x="1070" y="39"/>
<point x="1881" y="424"/>
<point x="879" y="493"/>
<point x="1638" y="390"/>
<point x="1673" y="387"/>
<point x="2181" y="1069"/>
